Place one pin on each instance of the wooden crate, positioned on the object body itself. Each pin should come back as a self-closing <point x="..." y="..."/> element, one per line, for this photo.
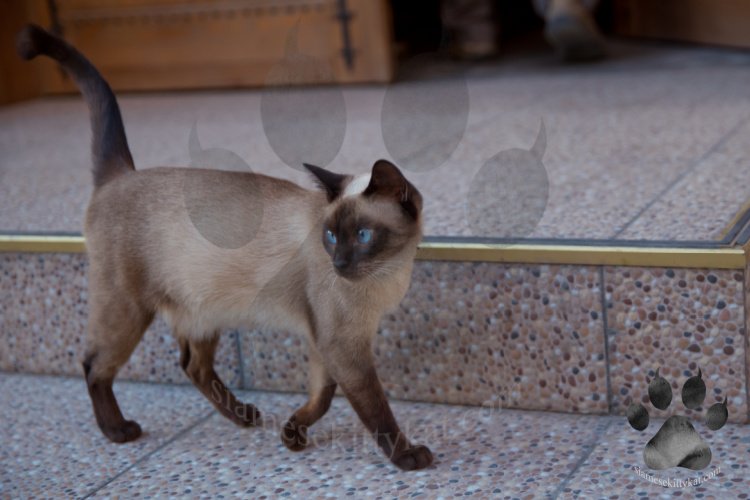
<point x="718" y="22"/>
<point x="187" y="44"/>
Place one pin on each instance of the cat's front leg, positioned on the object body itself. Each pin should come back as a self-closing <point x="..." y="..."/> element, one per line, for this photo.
<point x="321" y="388"/>
<point x="350" y="362"/>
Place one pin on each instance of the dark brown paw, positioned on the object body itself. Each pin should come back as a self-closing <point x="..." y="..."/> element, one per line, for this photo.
<point x="246" y="415"/>
<point x="128" y="431"/>
<point x="414" y="458"/>
<point x="294" y="436"/>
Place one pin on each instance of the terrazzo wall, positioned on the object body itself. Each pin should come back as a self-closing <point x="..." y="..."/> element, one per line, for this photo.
<point x="747" y="326"/>
<point x="517" y="336"/>
<point x="477" y="333"/>
<point x="679" y="321"/>
<point x="43" y="316"/>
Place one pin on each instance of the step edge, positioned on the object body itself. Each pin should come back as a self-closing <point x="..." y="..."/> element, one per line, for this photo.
<point x="511" y="253"/>
<point x="586" y="255"/>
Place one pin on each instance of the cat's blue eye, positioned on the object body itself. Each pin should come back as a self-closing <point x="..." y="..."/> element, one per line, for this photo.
<point x="330" y="237"/>
<point x="364" y="236"/>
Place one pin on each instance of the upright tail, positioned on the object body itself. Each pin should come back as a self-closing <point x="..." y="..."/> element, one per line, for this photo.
<point x="109" y="147"/>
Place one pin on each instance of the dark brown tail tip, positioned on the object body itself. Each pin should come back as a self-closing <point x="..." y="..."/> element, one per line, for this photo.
<point x="33" y="40"/>
<point x="27" y="41"/>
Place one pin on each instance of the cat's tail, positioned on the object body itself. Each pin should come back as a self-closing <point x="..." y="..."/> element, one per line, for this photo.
<point x="109" y="147"/>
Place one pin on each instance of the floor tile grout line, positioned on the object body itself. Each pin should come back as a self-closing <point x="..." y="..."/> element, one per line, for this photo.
<point x="588" y="450"/>
<point x="179" y="434"/>
<point x="247" y="375"/>
<point x="718" y="144"/>
<point x="746" y="325"/>
<point x="241" y="368"/>
<point x="605" y="325"/>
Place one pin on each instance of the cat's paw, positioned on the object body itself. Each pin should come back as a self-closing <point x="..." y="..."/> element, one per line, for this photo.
<point x="246" y="415"/>
<point x="413" y="458"/>
<point x="294" y="436"/>
<point x="129" y="430"/>
<point x="677" y="443"/>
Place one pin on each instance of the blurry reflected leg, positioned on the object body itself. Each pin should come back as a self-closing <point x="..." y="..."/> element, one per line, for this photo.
<point x="472" y="27"/>
<point x="571" y="29"/>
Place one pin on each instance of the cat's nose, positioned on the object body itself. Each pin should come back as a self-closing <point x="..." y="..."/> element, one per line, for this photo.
<point x="340" y="264"/>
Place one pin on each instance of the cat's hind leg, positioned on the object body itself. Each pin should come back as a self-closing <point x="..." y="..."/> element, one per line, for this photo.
<point x="197" y="359"/>
<point x="321" y="388"/>
<point x="116" y="325"/>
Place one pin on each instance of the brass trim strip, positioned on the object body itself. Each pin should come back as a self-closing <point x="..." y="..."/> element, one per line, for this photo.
<point x="41" y="243"/>
<point x="709" y="258"/>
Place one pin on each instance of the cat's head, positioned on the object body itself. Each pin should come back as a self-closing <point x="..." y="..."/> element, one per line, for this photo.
<point x="373" y="221"/>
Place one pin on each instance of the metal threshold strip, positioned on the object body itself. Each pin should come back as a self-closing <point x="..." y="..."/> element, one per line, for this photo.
<point x="447" y="249"/>
<point x="586" y="255"/>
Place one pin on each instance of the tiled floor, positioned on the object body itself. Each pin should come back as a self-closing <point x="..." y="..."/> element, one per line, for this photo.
<point x="51" y="447"/>
<point x="649" y="144"/>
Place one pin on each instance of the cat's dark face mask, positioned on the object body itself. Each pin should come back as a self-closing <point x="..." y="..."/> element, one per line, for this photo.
<point x="373" y="219"/>
<point x="355" y="243"/>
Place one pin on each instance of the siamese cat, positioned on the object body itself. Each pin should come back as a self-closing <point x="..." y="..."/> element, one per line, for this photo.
<point x="326" y="263"/>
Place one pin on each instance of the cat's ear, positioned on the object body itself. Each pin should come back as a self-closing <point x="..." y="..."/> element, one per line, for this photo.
<point x="387" y="180"/>
<point x="331" y="182"/>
